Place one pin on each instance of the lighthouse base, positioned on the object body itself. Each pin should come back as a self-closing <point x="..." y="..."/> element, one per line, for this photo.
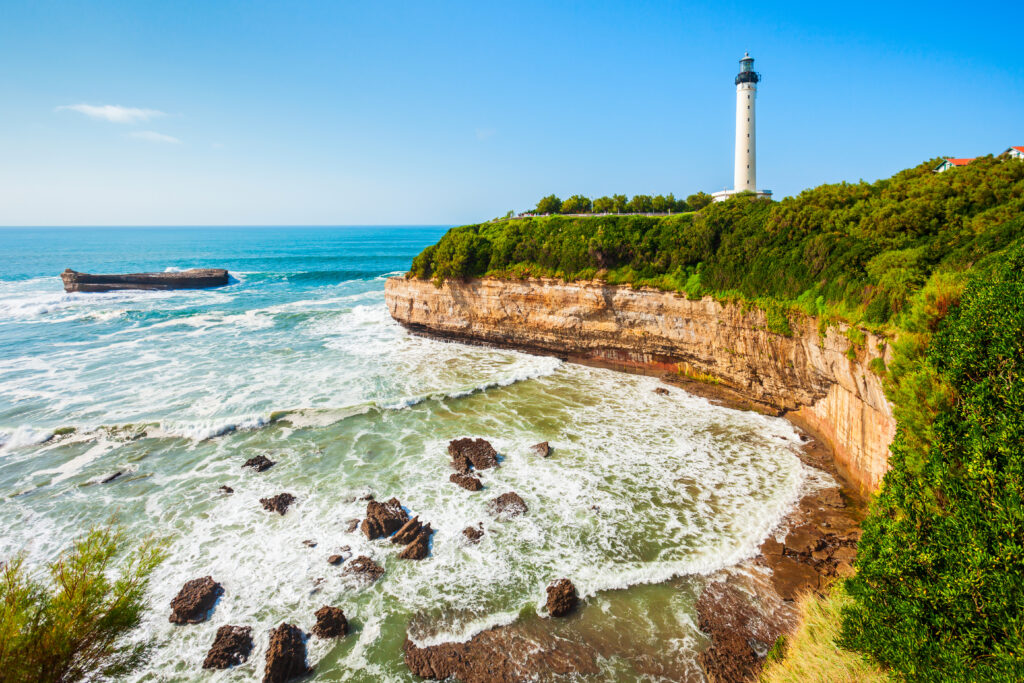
<point x="725" y="194"/>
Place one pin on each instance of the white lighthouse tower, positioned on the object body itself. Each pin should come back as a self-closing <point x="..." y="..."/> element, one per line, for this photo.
<point x="745" y="169"/>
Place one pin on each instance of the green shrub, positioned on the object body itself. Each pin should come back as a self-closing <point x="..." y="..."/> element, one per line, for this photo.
<point x="72" y="627"/>
<point x="940" y="584"/>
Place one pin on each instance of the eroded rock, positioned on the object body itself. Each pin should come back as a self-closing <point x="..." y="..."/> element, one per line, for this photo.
<point x="661" y="391"/>
<point x="543" y="449"/>
<point x="330" y="623"/>
<point x="365" y="568"/>
<point x="562" y="598"/>
<point x="226" y="489"/>
<point x="194" y="601"/>
<point x="259" y="463"/>
<point x="408" y="533"/>
<point x="286" y="655"/>
<point x="507" y="505"/>
<point x="472" y="453"/>
<point x="231" y="646"/>
<point x="278" y="503"/>
<point x="383" y="519"/>
<point x="466" y="481"/>
<point x="473" y="534"/>
<point x="804" y="539"/>
<point x="419" y="547"/>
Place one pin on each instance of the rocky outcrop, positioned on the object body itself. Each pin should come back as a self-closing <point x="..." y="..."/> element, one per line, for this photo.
<point x="383" y="519"/>
<point x="543" y="449"/>
<point x="197" y="278"/>
<point x="231" y="646"/>
<point x="507" y="505"/>
<point x="562" y="598"/>
<point x="286" y="655"/>
<point x="821" y="381"/>
<point x="466" y="481"/>
<point x="364" y="568"/>
<point x="279" y="503"/>
<point x="472" y="453"/>
<point x="473" y="534"/>
<point x="330" y="622"/>
<point x="194" y="601"/>
<point x="259" y="463"/>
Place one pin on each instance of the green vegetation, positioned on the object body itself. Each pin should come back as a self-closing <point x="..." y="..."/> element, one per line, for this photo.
<point x="934" y="261"/>
<point x="73" y="627"/>
<point x="641" y="203"/>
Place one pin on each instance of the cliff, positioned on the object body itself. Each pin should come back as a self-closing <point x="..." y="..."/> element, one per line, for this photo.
<point x="808" y="376"/>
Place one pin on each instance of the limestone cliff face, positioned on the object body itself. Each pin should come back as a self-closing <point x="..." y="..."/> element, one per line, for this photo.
<point x="805" y="374"/>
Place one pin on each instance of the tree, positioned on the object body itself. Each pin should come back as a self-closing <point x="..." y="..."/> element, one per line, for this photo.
<point x="621" y="203"/>
<point x="680" y="205"/>
<point x="73" y="627"/>
<point x="576" y="204"/>
<point x="549" y="204"/>
<point x="604" y="205"/>
<point x="641" y="203"/>
<point x="659" y="204"/>
<point x="698" y="201"/>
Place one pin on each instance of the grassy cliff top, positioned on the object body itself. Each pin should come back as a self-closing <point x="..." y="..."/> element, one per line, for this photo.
<point x="853" y="251"/>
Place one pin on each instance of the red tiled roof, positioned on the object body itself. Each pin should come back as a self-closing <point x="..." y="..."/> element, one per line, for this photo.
<point x="960" y="162"/>
<point x="1019" y="149"/>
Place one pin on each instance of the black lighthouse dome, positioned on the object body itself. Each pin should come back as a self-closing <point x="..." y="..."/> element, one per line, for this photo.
<point x="747" y="73"/>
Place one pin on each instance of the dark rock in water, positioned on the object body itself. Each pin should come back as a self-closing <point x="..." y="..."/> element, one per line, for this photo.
<point x="278" y="503"/>
<point x="197" y="278"/>
<point x="366" y="496"/>
<point x="353" y="524"/>
<point x="790" y="577"/>
<point x="309" y="543"/>
<point x="473" y="533"/>
<point x="419" y="547"/>
<point x="383" y="519"/>
<point x="231" y="646"/>
<point x="259" y="463"/>
<point x="562" y="598"/>
<point x="507" y="654"/>
<point x="286" y="655"/>
<point x="330" y="623"/>
<point x="364" y="567"/>
<point x="335" y="559"/>
<point x="543" y="449"/>
<point x="226" y="489"/>
<point x="507" y="505"/>
<point x="469" y="453"/>
<point x="110" y="478"/>
<point x="661" y="391"/>
<point x="408" y="533"/>
<point x="466" y="481"/>
<point x="194" y="601"/>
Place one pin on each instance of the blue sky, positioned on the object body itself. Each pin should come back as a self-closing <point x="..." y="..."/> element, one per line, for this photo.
<point x="444" y="113"/>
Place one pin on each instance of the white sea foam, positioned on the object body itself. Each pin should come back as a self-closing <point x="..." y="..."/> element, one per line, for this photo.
<point x="22" y="437"/>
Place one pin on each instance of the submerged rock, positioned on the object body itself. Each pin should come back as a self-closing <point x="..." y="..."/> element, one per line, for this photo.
<point x="383" y="519"/>
<point x="661" y="391"/>
<point x="472" y="453"/>
<point x="112" y="477"/>
<point x="804" y="539"/>
<point x="562" y="598"/>
<point x="259" y="463"/>
<point x="194" y="601"/>
<point x="507" y="505"/>
<point x="231" y="646"/>
<point x="466" y="481"/>
<point x="543" y="449"/>
<point x="473" y="534"/>
<point x="286" y="655"/>
<point x="353" y="524"/>
<point x="278" y="503"/>
<point x="226" y="489"/>
<point x="309" y="543"/>
<point x="365" y="568"/>
<point x="330" y="623"/>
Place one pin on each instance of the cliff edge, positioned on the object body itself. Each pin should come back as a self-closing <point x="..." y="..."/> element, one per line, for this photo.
<point x="816" y="379"/>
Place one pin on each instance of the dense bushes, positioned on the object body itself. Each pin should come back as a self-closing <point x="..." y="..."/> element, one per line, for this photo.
<point x="939" y="593"/>
<point x="860" y="250"/>
<point x="72" y="627"/>
<point x="619" y="203"/>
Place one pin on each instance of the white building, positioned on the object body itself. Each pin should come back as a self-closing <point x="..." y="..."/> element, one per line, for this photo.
<point x="745" y="163"/>
<point x="952" y="163"/>
<point x="1015" y="152"/>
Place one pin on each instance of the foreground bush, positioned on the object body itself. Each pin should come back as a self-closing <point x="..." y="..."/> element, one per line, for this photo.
<point x="939" y="594"/>
<point x="72" y="627"/>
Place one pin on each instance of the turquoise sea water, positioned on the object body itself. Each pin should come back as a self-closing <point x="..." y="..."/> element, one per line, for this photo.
<point x="298" y="359"/>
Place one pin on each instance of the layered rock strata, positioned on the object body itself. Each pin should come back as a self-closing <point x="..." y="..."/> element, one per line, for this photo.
<point x="820" y="380"/>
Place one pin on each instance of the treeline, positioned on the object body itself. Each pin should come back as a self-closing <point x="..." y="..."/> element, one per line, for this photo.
<point x="620" y="203"/>
<point x="935" y="261"/>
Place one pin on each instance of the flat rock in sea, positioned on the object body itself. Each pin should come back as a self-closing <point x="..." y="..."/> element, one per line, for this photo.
<point x="365" y="568"/>
<point x="286" y="655"/>
<point x="226" y="489"/>
<point x="231" y="646"/>
<point x="466" y="481"/>
<point x="278" y="503"/>
<point x="111" y="477"/>
<point x="197" y="278"/>
<point x="507" y="505"/>
<point x="791" y="577"/>
<point x="194" y="601"/>
<point x="661" y="391"/>
<point x="472" y="453"/>
<point x="259" y="463"/>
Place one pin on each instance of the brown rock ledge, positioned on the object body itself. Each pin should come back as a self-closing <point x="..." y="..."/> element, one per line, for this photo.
<point x="197" y="278"/>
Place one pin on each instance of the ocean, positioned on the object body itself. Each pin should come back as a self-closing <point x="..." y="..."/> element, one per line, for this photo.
<point x="297" y="359"/>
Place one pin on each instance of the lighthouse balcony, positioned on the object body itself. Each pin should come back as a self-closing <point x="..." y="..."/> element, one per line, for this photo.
<point x="725" y="194"/>
<point x="748" y="77"/>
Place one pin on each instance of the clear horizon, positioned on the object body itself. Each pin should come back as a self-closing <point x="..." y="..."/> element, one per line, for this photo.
<point x="264" y="114"/>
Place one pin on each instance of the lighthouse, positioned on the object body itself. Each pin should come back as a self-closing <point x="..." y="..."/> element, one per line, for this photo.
<point x="745" y="161"/>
